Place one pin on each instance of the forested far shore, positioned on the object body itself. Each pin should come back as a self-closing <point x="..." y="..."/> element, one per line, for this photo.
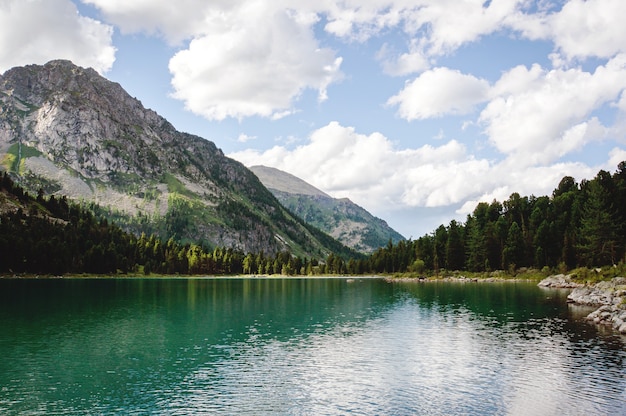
<point x="52" y="235"/>
<point x="579" y="225"/>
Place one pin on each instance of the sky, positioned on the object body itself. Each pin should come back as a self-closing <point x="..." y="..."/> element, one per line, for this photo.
<point x="414" y="109"/>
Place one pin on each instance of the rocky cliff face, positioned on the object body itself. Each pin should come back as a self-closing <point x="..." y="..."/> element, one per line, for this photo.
<point x="70" y="131"/>
<point x="341" y="218"/>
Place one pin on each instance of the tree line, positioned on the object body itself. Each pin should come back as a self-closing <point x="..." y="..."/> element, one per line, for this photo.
<point x="52" y="235"/>
<point x="579" y="225"/>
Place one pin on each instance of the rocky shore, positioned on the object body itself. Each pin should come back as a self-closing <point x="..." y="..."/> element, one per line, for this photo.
<point x="608" y="296"/>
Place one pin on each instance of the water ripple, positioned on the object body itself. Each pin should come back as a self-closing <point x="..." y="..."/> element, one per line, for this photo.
<point x="331" y="349"/>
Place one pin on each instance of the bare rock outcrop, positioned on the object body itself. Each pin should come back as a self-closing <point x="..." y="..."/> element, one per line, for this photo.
<point x="84" y="136"/>
<point x="559" y="281"/>
<point x="608" y="296"/>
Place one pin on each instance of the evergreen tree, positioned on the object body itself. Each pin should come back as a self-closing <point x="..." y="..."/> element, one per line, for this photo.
<point x="514" y="250"/>
<point x="599" y="241"/>
<point x="455" y="252"/>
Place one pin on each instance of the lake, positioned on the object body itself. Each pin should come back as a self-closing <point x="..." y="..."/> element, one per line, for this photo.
<point x="302" y="347"/>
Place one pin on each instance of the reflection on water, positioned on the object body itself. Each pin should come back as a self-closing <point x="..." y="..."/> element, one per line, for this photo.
<point x="301" y="346"/>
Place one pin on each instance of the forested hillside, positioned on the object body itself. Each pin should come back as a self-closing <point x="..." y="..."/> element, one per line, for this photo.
<point x="578" y="225"/>
<point x="341" y="218"/>
<point x="50" y="235"/>
<point x="71" y="132"/>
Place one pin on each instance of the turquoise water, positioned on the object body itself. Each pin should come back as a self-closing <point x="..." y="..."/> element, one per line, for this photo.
<point x="301" y="346"/>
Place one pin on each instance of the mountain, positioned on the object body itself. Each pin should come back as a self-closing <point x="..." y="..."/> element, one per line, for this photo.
<point x="69" y="131"/>
<point x="341" y="218"/>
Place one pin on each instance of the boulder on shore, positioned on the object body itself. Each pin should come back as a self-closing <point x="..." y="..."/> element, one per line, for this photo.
<point x="559" y="281"/>
<point x="611" y="292"/>
<point x="608" y="296"/>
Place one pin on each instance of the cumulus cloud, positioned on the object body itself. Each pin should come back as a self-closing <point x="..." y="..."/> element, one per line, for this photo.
<point x="239" y="58"/>
<point x="546" y="114"/>
<point x="435" y="27"/>
<point x="445" y="24"/>
<point x="37" y="31"/>
<point x="616" y="156"/>
<point x="438" y="92"/>
<point x="244" y="138"/>
<point x="373" y="172"/>
<point x="506" y="177"/>
<point x="173" y="20"/>
<point x="256" y="58"/>
<point x="589" y="28"/>
<point x="415" y="60"/>
<point x="253" y="69"/>
<point x="579" y="29"/>
<point x="452" y="23"/>
<point x="535" y="115"/>
<point x="359" y="20"/>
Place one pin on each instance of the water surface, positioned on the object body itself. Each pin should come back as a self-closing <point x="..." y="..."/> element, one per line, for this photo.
<point x="301" y="346"/>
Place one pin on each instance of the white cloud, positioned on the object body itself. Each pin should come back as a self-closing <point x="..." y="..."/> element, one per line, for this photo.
<point x="375" y="174"/>
<point x="531" y="114"/>
<point x="243" y="58"/>
<point x="435" y="27"/>
<point x="579" y="29"/>
<point x="616" y="156"/>
<point x="444" y="24"/>
<point x="256" y="58"/>
<point x="507" y="177"/>
<point x="369" y="170"/>
<point x="174" y="20"/>
<point x="452" y="23"/>
<point x="416" y="60"/>
<point x="252" y="69"/>
<point x="541" y="115"/>
<point x="438" y="92"/>
<point x="359" y="20"/>
<point x="244" y="138"/>
<point x="37" y="31"/>
<point x="589" y="28"/>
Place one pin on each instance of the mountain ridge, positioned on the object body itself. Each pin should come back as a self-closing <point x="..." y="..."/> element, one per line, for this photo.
<point x="72" y="132"/>
<point x="344" y="220"/>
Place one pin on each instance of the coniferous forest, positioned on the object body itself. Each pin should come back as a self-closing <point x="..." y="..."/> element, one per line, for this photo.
<point x="50" y="235"/>
<point x="579" y="225"/>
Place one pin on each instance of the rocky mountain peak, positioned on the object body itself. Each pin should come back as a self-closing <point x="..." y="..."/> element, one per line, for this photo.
<point x="74" y="132"/>
<point x="82" y="120"/>
<point x="282" y="181"/>
<point x="341" y="218"/>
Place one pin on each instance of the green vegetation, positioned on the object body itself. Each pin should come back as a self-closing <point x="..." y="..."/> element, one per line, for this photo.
<point x="54" y="236"/>
<point x="16" y="154"/>
<point x="176" y="186"/>
<point x="579" y="226"/>
<point x="34" y="181"/>
<point x="327" y="214"/>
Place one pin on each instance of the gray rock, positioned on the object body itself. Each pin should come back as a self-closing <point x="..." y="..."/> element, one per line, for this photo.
<point x="561" y="281"/>
<point x="608" y="296"/>
<point x="96" y="143"/>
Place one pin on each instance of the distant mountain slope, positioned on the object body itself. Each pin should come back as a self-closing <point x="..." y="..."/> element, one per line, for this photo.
<point x="69" y="131"/>
<point x="341" y="218"/>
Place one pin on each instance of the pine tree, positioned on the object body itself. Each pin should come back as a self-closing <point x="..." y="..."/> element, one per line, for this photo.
<point x="455" y="252"/>
<point x="599" y="238"/>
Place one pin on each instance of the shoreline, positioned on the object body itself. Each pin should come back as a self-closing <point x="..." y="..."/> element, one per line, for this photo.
<point x="185" y="276"/>
<point x="460" y="279"/>
<point x="608" y="297"/>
